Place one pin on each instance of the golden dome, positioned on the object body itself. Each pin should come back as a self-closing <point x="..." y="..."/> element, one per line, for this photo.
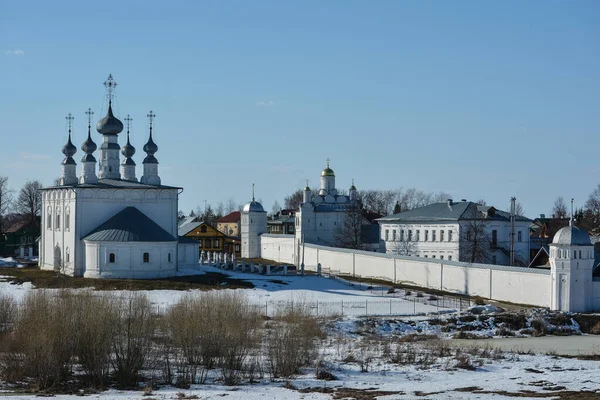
<point x="327" y="172"/>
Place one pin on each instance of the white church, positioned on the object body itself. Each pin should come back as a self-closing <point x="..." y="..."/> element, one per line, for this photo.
<point x="105" y="223"/>
<point x="318" y="220"/>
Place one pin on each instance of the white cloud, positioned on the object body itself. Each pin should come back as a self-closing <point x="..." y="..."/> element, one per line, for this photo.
<point x="15" y="52"/>
<point x="25" y="155"/>
<point x="265" y="103"/>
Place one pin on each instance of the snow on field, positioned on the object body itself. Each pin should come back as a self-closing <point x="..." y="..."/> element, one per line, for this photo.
<point x="494" y="377"/>
<point x="9" y="262"/>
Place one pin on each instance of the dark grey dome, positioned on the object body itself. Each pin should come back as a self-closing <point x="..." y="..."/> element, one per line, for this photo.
<point x="253" y="206"/>
<point x="109" y="125"/>
<point x="128" y="150"/>
<point x="128" y="161"/>
<point x="150" y="159"/>
<point x="89" y="146"/>
<point x="69" y="149"/>
<point x="88" y="158"/>
<point x="572" y="236"/>
<point x="69" y="161"/>
<point x="150" y="147"/>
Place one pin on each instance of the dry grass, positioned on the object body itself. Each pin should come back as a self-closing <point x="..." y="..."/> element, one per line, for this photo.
<point x="51" y="280"/>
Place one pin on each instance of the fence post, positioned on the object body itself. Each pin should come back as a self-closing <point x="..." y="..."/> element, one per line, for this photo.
<point x="266" y="308"/>
<point x="367" y="307"/>
<point x="317" y="308"/>
<point x="390" y="306"/>
<point x="342" y="308"/>
<point x="414" y="306"/>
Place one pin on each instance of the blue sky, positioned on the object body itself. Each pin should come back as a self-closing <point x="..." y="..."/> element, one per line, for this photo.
<point x="477" y="99"/>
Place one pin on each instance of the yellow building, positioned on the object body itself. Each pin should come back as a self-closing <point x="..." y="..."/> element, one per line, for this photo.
<point x="230" y="224"/>
<point x="209" y="238"/>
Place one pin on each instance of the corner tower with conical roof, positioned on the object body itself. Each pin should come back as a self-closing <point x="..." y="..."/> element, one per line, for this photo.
<point x="109" y="127"/>
<point x="69" y="173"/>
<point x="571" y="269"/>
<point x="150" y="176"/>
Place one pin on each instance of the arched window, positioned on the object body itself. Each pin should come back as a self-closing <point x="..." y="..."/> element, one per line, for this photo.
<point x="579" y="253"/>
<point x="574" y="253"/>
<point x="111" y="258"/>
<point x="169" y="257"/>
<point x="146" y="257"/>
<point x="57" y="225"/>
<point x="49" y="218"/>
<point x="68" y="255"/>
<point x="67" y="219"/>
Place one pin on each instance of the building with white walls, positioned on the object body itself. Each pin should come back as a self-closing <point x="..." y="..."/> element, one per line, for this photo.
<point x="321" y="215"/>
<point x="459" y="231"/>
<point x="106" y="224"/>
<point x="254" y="224"/>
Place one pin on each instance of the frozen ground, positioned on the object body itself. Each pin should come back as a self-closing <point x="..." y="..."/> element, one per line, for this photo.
<point x="495" y="375"/>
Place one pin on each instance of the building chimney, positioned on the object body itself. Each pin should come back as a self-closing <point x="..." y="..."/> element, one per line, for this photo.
<point x="542" y="215"/>
<point x="450" y="203"/>
<point x="463" y="199"/>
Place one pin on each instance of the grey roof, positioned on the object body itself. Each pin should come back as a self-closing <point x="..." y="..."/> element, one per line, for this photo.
<point x="188" y="227"/>
<point x="185" y="239"/>
<point x="253" y="206"/>
<point x="129" y="225"/>
<point x="115" y="183"/>
<point x="284" y="219"/>
<point x="458" y="211"/>
<point x="572" y="236"/>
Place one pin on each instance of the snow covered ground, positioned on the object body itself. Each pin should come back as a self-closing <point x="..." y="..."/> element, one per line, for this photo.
<point x="377" y="366"/>
<point x="9" y="262"/>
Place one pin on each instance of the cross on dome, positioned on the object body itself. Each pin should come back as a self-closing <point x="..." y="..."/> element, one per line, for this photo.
<point x="89" y="113"/>
<point x="110" y="85"/>
<point x="69" y="119"/>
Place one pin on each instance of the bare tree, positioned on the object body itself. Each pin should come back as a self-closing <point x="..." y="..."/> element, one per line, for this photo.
<point x="405" y="248"/>
<point x="379" y="201"/>
<point x="348" y="233"/>
<point x="29" y="201"/>
<point x="481" y="202"/>
<point x="6" y="199"/>
<point x="293" y="201"/>
<point x="519" y="209"/>
<point x="474" y="241"/>
<point x="230" y="207"/>
<point x="276" y="208"/>
<point x="220" y="210"/>
<point x="560" y="208"/>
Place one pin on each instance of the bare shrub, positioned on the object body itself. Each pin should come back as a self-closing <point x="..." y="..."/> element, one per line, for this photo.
<point x="291" y="340"/>
<point x="8" y="313"/>
<point x="132" y="342"/>
<point x="595" y="329"/>
<point x="539" y="327"/>
<point x="43" y="340"/>
<point x="95" y="318"/>
<point x="463" y="361"/>
<point x="213" y="329"/>
<point x="478" y="301"/>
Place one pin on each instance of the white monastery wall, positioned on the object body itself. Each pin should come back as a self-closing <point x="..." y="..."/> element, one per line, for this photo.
<point x="278" y="248"/>
<point x="503" y="283"/>
<point x="596" y="294"/>
<point x="187" y="255"/>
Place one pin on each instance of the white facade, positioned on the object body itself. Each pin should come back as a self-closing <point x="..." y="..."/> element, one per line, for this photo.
<point x="70" y="213"/>
<point x="444" y="237"/>
<point x="322" y="215"/>
<point x="253" y="225"/>
<point x="73" y="210"/>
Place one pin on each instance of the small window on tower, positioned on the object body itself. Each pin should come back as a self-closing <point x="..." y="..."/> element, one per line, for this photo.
<point x="146" y="257"/>
<point x="111" y="258"/>
<point x="169" y="257"/>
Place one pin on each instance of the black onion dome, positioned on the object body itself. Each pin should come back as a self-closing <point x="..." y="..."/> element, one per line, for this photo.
<point x="69" y="149"/>
<point x="150" y="147"/>
<point x="109" y="125"/>
<point x="89" y="146"/>
<point x="128" y="150"/>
